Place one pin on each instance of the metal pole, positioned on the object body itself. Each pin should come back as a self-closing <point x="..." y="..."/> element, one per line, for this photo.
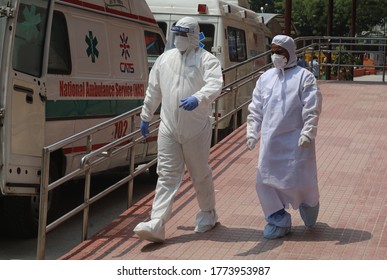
<point x="86" y="196"/>
<point x="329" y="34"/>
<point x="131" y="168"/>
<point x="288" y="17"/>
<point x="353" y="30"/>
<point x="43" y="208"/>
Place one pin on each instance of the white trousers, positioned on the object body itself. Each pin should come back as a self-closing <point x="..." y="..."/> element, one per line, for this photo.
<point x="172" y="159"/>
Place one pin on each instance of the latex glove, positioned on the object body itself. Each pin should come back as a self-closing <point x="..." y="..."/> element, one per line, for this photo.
<point x="304" y="141"/>
<point x="251" y="143"/>
<point x="144" y="126"/>
<point x="189" y="103"/>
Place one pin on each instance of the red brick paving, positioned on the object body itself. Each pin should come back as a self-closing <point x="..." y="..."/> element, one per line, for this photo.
<point x="352" y="164"/>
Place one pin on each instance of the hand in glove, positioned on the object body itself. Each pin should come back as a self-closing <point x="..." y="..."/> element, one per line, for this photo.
<point x="304" y="141"/>
<point x="251" y="143"/>
<point x="189" y="103"/>
<point x="144" y="126"/>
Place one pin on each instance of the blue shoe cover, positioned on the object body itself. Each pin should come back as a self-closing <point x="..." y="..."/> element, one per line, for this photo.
<point x="279" y="225"/>
<point x="309" y="214"/>
<point x="280" y="218"/>
<point x="272" y="232"/>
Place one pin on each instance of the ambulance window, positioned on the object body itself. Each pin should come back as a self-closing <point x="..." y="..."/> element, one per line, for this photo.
<point x="59" y="60"/>
<point x="30" y="36"/>
<point x="209" y="31"/>
<point x="154" y="46"/>
<point x="236" y="44"/>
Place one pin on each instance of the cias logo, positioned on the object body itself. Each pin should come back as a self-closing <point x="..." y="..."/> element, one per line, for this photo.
<point x="124" y="46"/>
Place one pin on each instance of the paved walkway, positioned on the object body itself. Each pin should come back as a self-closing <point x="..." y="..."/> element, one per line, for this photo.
<point x="352" y="168"/>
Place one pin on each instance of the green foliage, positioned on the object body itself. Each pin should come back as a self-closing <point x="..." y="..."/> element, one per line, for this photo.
<point x="310" y="16"/>
<point x="343" y="57"/>
<point x="267" y="5"/>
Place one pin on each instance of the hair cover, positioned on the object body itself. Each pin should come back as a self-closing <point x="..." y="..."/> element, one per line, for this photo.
<point x="287" y="43"/>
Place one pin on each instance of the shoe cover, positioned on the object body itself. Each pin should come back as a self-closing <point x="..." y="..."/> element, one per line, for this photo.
<point x="272" y="231"/>
<point x="153" y="230"/>
<point x="280" y="218"/>
<point x="309" y="214"/>
<point x="279" y="225"/>
<point x="205" y="220"/>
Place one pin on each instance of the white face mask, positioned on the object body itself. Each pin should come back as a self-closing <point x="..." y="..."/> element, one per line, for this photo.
<point x="182" y="43"/>
<point x="279" y="61"/>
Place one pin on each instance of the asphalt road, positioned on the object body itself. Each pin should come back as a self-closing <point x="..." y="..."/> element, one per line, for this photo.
<point x="63" y="238"/>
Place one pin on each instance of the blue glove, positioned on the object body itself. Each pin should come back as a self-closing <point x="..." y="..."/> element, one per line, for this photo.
<point x="144" y="126"/>
<point x="189" y="103"/>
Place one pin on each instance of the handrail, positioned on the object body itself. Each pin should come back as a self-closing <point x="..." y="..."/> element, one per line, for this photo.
<point x="127" y="143"/>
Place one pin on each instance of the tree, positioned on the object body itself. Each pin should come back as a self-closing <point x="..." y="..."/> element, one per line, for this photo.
<point x="268" y="6"/>
<point x="310" y="16"/>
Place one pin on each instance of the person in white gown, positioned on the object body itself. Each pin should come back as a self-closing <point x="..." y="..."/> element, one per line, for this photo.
<point x="285" y="109"/>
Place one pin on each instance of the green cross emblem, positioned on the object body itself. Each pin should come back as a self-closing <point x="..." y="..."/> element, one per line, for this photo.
<point x="92" y="43"/>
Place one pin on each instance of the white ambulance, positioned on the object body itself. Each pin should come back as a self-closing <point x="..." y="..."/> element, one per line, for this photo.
<point x="65" y="66"/>
<point x="233" y="33"/>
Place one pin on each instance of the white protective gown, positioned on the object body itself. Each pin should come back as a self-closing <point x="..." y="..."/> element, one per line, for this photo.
<point x="184" y="136"/>
<point x="285" y="105"/>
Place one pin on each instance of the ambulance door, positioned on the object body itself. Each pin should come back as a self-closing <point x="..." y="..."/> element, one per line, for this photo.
<point x="7" y="9"/>
<point x="26" y="95"/>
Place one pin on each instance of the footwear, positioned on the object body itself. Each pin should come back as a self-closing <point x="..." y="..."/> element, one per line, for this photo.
<point x="309" y="214"/>
<point x="273" y="232"/>
<point x="152" y="230"/>
<point x="205" y="220"/>
<point x="279" y="224"/>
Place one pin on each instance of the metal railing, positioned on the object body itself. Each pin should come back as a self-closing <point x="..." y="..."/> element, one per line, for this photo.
<point x="127" y="143"/>
<point x="345" y="55"/>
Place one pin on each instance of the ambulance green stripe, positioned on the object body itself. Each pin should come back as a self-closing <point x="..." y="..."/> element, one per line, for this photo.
<point x="69" y="109"/>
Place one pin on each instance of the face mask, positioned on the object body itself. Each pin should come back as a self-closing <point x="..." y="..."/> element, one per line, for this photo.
<point x="279" y="61"/>
<point x="182" y="43"/>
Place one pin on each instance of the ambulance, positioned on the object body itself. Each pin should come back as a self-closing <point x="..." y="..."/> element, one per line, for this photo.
<point x="65" y="66"/>
<point x="232" y="32"/>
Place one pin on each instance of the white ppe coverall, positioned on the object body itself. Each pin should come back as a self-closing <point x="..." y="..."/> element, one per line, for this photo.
<point x="184" y="136"/>
<point x="286" y="104"/>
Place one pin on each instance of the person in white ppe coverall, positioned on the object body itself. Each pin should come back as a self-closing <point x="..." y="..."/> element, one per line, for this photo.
<point x="285" y="108"/>
<point x="185" y="80"/>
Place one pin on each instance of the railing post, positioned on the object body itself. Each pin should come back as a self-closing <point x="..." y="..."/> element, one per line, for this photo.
<point x="329" y="60"/>
<point x="43" y="200"/>
<point x="86" y="196"/>
<point x="385" y="58"/>
<point x="216" y="116"/>
<point x="131" y="167"/>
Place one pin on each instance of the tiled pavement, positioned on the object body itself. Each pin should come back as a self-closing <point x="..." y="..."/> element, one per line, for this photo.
<point x="352" y="169"/>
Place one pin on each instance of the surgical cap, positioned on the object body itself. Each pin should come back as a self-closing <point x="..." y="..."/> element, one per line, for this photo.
<point x="287" y="43"/>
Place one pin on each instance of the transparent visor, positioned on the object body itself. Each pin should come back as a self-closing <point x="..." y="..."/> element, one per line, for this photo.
<point x="172" y="35"/>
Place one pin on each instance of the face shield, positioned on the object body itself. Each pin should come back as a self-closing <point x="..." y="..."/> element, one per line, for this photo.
<point x="186" y="27"/>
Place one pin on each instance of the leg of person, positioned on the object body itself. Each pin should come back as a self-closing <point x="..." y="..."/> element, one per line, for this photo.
<point x="309" y="214"/>
<point x="278" y="220"/>
<point x="309" y="205"/>
<point x="196" y="153"/>
<point x="170" y="169"/>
